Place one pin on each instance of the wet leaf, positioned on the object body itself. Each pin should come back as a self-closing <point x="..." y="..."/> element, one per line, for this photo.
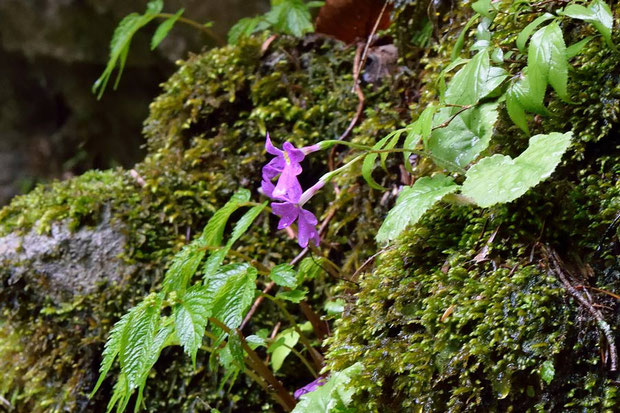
<point x="500" y="178"/>
<point x="412" y="203"/>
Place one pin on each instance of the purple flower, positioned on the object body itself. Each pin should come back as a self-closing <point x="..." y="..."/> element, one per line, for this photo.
<point x="306" y="221"/>
<point x="287" y="189"/>
<point x="286" y="164"/>
<point x="310" y="387"/>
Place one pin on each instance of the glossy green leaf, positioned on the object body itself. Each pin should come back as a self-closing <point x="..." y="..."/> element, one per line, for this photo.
<point x="527" y="31"/>
<point x="333" y="396"/>
<point x="294" y="296"/>
<point x="465" y="137"/>
<point x="515" y="110"/>
<point x="574" y="49"/>
<point x="521" y="91"/>
<point x="164" y="28"/>
<point x="281" y="347"/>
<point x="243" y="28"/>
<point x="484" y="8"/>
<point x="190" y="320"/>
<point x="412" y="203"/>
<point x="233" y="299"/>
<point x="216" y="258"/>
<point x="418" y="130"/>
<point x="255" y="341"/>
<point x="547" y="63"/>
<point x="214" y="231"/>
<point x="499" y="178"/>
<point x="598" y="13"/>
<point x="217" y="280"/>
<point x="547" y="372"/>
<point x="284" y="275"/>
<point x="474" y="81"/>
<point x="458" y="45"/>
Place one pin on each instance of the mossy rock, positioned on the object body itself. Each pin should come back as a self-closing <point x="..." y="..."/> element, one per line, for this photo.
<point x="449" y="320"/>
<point x="205" y="138"/>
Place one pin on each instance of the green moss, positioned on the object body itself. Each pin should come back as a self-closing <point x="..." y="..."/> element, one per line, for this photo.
<point x="78" y="200"/>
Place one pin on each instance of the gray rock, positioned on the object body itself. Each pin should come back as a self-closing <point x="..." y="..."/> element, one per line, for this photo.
<point x="70" y="263"/>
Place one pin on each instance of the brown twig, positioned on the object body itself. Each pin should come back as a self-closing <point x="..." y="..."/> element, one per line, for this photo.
<point x="266" y="290"/>
<point x="282" y="396"/>
<point x="458" y="112"/>
<point x="556" y="263"/>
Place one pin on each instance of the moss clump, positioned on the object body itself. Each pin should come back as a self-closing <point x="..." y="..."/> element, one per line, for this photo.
<point x="455" y="319"/>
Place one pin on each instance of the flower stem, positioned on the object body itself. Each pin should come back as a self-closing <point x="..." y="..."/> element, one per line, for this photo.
<point x="218" y="39"/>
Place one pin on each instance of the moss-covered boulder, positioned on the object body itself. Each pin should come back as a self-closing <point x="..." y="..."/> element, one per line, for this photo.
<point x="205" y="137"/>
<point x="467" y="311"/>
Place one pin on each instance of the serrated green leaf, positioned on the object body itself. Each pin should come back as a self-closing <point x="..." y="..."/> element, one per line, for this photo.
<point x="243" y="28"/>
<point x="332" y="397"/>
<point x="284" y="275"/>
<point x="547" y="63"/>
<point x="217" y="280"/>
<point x="216" y="258"/>
<point x="474" y="81"/>
<point x="515" y="109"/>
<point x="214" y="231"/>
<point x="499" y="178"/>
<point x="290" y="17"/>
<point x="547" y="371"/>
<point x="598" y="13"/>
<point x="184" y="265"/>
<point x="281" y="347"/>
<point x="191" y="318"/>
<point x="164" y="28"/>
<point x="245" y="221"/>
<point x="465" y="137"/>
<point x="309" y="268"/>
<point x="186" y="262"/>
<point x="294" y="296"/>
<point x="412" y="203"/>
<point x="527" y="31"/>
<point x="233" y="299"/>
<point x="121" y="40"/>
<point x="136" y="342"/>
<point x="574" y="49"/>
<point x="111" y="349"/>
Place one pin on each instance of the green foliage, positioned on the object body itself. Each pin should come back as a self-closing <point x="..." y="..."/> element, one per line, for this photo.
<point x="465" y="135"/>
<point x="121" y="40"/>
<point x="191" y="318"/>
<point x="413" y="202"/>
<point x="547" y="63"/>
<point x="333" y="396"/>
<point x="164" y="28"/>
<point x="547" y="372"/>
<point x="233" y="299"/>
<point x="598" y="13"/>
<point x="282" y="346"/>
<point x="499" y="178"/>
<point x="284" y="275"/>
<point x="286" y="16"/>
